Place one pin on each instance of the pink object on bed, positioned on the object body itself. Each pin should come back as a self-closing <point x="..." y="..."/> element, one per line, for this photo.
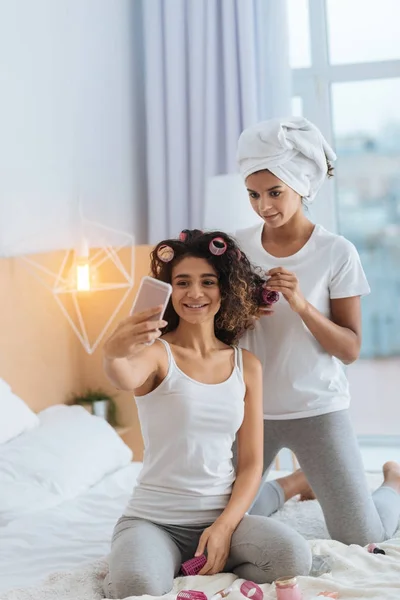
<point x="193" y="565"/>
<point x="191" y="595"/>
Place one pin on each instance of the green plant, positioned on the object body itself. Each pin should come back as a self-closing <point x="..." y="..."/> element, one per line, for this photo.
<point x="90" y="396"/>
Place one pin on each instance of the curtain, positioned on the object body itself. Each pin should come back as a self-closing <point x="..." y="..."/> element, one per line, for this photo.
<point x="210" y="69"/>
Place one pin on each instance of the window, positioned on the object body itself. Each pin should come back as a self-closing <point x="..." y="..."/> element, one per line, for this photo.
<point x="297" y="106"/>
<point x="361" y="31"/>
<point x="350" y="87"/>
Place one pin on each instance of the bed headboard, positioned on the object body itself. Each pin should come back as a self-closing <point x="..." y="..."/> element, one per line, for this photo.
<point x="40" y="357"/>
<point x="38" y="352"/>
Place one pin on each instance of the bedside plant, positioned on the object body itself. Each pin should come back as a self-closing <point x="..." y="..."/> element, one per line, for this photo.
<point x="101" y="402"/>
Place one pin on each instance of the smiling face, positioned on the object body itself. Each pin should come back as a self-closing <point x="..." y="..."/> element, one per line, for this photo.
<point x="274" y="201"/>
<point x="196" y="296"/>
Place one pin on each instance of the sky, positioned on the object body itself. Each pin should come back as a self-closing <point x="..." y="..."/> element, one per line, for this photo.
<point x="358" y="31"/>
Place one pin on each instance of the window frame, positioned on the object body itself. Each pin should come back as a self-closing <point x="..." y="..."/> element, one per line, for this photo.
<point x="313" y="85"/>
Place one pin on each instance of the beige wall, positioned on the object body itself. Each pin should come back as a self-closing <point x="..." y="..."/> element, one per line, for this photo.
<point x="38" y="350"/>
<point x="40" y="356"/>
<point x="93" y="375"/>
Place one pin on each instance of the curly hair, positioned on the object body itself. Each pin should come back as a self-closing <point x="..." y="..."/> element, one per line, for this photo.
<point x="239" y="282"/>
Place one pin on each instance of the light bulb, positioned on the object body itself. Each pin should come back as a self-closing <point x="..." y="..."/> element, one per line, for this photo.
<point x="82" y="275"/>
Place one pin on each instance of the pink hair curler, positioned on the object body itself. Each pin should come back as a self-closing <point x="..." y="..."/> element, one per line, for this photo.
<point x="193" y="565"/>
<point x="218" y="246"/>
<point x="183" y="236"/>
<point x="191" y="595"/>
<point x="165" y="253"/>
<point x="251" y="590"/>
<point x="268" y="296"/>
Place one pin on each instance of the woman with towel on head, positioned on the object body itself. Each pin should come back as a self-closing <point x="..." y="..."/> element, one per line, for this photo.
<point x="310" y="333"/>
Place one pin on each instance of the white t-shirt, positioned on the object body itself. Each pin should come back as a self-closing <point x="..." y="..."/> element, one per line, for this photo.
<point x="300" y="379"/>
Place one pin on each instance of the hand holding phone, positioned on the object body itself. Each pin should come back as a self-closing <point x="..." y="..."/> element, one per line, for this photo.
<point x="143" y="325"/>
<point x="133" y="334"/>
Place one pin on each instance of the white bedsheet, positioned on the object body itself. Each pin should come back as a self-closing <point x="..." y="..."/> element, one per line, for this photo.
<point x="67" y="536"/>
<point x="76" y="535"/>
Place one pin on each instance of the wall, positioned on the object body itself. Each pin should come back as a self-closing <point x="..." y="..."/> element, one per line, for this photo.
<point x="375" y="406"/>
<point x="38" y="351"/>
<point x="40" y="356"/>
<point x="70" y="113"/>
<point x="91" y="365"/>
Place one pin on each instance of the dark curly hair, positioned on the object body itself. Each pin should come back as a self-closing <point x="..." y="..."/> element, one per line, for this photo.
<point x="239" y="281"/>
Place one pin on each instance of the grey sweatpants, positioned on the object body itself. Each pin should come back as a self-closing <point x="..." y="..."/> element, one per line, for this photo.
<point x="327" y="450"/>
<point x="146" y="557"/>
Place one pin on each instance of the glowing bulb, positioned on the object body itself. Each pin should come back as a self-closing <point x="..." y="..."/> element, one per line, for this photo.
<point x="83" y="276"/>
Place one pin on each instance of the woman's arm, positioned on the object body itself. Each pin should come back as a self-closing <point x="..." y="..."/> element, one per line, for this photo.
<point x="340" y="336"/>
<point x="217" y="537"/>
<point x="128" y="361"/>
<point x="250" y="437"/>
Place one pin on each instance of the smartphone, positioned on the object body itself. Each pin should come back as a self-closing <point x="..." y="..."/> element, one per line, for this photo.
<point x="152" y="293"/>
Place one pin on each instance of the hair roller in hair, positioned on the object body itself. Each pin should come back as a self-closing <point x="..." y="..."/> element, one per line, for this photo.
<point x="268" y="296"/>
<point x="183" y="236"/>
<point x="165" y="253"/>
<point x="218" y="246"/>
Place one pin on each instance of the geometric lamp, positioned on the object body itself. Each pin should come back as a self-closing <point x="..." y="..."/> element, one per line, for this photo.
<point x="85" y="271"/>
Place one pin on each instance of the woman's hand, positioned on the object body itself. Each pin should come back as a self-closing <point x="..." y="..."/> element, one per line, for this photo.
<point x="287" y="284"/>
<point x="217" y="540"/>
<point x="133" y="334"/>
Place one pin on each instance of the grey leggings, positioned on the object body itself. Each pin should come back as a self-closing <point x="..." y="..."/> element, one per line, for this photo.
<point x="145" y="557"/>
<point x="327" y="450"/>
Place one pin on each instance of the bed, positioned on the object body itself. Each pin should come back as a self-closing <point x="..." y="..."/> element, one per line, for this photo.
<point x="53" y="545"/>
<point x="64" y="537"/>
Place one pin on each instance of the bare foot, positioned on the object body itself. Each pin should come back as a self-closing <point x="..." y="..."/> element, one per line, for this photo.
<point x="296" y="484"/>
<point x="391" y="475"/>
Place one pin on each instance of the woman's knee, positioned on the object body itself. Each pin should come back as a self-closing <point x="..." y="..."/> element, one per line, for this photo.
<point x="275" y="549"/>
<point x="128" y="582"/>
<point x="289" y="556"/>
<point x="294" y="555"/>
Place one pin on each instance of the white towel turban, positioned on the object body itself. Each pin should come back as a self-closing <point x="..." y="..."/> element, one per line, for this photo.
<point x="293" y="149"/>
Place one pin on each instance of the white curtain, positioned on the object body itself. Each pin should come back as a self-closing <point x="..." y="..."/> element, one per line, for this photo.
<point x="211" y="68"/>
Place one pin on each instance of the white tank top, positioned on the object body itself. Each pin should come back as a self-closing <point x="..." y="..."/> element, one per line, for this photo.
<point x="188" y="429"/>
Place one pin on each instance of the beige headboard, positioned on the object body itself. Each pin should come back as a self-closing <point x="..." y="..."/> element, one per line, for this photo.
<point x="40" y="356"/>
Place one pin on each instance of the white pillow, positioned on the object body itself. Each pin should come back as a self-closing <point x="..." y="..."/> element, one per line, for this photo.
<point x="70" y="451"/>
<point x="15" y="416"/>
